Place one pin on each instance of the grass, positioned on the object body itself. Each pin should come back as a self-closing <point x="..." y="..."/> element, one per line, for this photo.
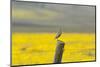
<point x="39" y="48"/>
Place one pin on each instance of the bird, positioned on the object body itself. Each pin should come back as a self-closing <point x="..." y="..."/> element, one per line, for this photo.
<point x="58" y="33"/>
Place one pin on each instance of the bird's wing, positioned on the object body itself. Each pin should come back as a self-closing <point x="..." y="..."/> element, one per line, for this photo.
<point x="59" y="33"/>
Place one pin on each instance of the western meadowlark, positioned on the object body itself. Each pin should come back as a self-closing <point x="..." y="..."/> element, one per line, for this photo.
<point x="58" y="33"/>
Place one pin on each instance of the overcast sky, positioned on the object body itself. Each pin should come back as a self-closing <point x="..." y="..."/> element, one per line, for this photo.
<point x="45" y="17"/>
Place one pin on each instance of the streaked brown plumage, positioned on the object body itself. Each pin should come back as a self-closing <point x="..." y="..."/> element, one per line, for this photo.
<point x="58" y="34"/>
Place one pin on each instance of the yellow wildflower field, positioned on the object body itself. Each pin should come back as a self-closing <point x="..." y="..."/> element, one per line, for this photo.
<point x="39" y="48"/>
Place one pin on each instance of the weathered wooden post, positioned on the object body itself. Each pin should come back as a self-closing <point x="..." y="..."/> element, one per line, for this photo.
<point x="59" y="51"/>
